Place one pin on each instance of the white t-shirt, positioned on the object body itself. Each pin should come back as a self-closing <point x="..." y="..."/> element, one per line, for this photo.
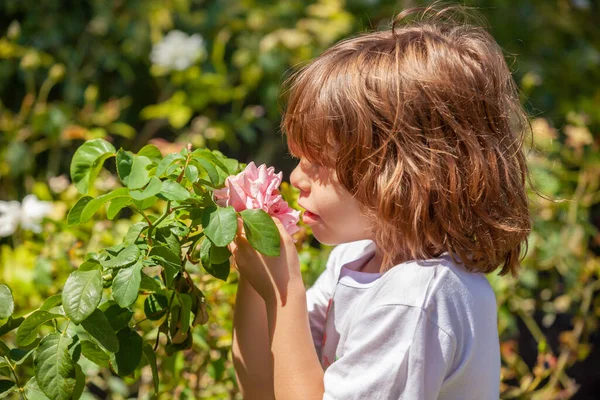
<point x="423" y="330"/>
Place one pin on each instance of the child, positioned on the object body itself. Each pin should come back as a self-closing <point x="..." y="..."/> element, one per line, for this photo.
<point x="410" y="154"/>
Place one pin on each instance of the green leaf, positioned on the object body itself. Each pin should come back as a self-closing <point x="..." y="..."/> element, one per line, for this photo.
<point x="74" y="216"/>
<point x="150" y="151"/>
<point x="54" y="368"/>
<point x="146" y="203"/>
<point x="186" y="311"/>
<point x="165" y="236"/>
<point x="81" y="294"/>
<point x="7" y="303"/>
<point x="134" y="232"/>
<point x="87" y="162"/>
<point x="220" y="225"/>
<point x="219" y="271"/>
<point x="117" y="205"/>
<point x="154" y="187"/>
<point x="151" y="357"/>
<point x="51" y="302"/>
<point x="149" y="284"/>
<point x="166" y="163"/>
<point x="127" y="359"/>
<point x="118" y="316"/>
<point x="126" y="285"/>
<point x="139" y="176"/>
<point x="208" y="155"/>
<point x="210" y="169"/>
<point x="261" y="231"/>
<point x="19" y="356"/>
<point x="79" y="382"/>
<point x="174" y="191"/>
<point x="127" y="256"/>
<point x="191" y="173"/>
<point x="98" y="326"/>
<point x="168" y="260"/>
<point x="4" y="350"/>
<point x="94" y="353"/>
<point x="33" y="391"/>
<point x="94" y="205"/>
<point x="27" y="332"/>
<point x="10" y="325"/>
<point x="216" y="265"/>
<point x="155" y="306"/>
<point x="6" y="386"/>
<point x="124" y="163"/>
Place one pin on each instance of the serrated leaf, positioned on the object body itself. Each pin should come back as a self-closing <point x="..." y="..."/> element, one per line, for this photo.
<point x="151" y="357"/>
<point x="155" y="306"/>
<point x="98" y="326"/>
<point x="74" y="216"/>
<point x="174" y="191"/>
<point x="117" y="205"/>
<point x="81" y="294"/>
<point x="118" y="316"/>
<point x="127" y="256"/>
<point x="261" y="231"/>
<point x="134" y="232"/>
<point x="12" y="323"/>
<point x="7" y="303"/>
<point x="128" y="358"/>
<point x="87" y="162"/>
<point x="150" y="151"/>
<point x="166" y="163"/>
<point x="139" y="175"/>
<point x="33" y="391"/>
<point x="126" y="285"/>
<point x="27" y="332"/>
<point x="146" y="203"/>
<point x="124" y="163"/>
<point x="54" y="368"/>
<point x="94" y="353"/>
<point x="210" y="169"/>
<point x="51" y="302"/>
<point x="191" y="173"/>
<point x="220" y="225"/>
<point x="94" y="205"/>
<point x="218" y="269"/>
<point x="154" y="187"/>
<point x="168" y="260"/>
<point x="165" y="236"/>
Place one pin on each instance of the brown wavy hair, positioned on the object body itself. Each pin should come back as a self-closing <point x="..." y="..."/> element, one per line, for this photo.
<point x="423" y="125"/>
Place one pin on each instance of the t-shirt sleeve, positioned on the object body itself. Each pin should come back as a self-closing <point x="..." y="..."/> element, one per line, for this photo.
<point x="318" y="297"/>
<point x="391" y="352"/>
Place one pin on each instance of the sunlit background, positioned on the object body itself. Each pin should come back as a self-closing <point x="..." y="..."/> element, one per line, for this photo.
<point x="172" y="72"/>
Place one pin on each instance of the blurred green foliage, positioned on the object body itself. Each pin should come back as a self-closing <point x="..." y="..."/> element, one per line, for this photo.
<point x="77" y="70"/>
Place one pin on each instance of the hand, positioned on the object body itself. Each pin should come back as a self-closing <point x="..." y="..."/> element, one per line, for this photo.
<point x="271" y="277"/>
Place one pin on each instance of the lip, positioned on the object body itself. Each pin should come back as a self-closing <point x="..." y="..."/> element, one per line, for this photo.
<point x="309" y="217"/>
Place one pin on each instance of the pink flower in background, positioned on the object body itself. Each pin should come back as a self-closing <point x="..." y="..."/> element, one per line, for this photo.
<point x="258" y="188"/>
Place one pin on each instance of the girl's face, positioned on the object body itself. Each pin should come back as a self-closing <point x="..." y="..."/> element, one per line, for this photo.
<point x="331" y="211"/>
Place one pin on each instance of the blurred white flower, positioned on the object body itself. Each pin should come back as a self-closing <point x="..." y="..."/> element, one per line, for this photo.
<point x="59" y="184"/>
<point x="177" y="50"/>
<point x="28" y="214"/>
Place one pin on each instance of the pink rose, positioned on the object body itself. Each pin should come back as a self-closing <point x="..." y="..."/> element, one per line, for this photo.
<point x="258" y="188"/>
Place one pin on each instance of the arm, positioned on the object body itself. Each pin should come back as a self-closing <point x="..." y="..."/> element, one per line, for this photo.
<point x="297" y="371"/>
<point x="251" y="353"/>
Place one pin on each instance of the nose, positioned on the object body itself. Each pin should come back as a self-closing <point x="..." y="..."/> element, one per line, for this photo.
<point x="299" y="180"/>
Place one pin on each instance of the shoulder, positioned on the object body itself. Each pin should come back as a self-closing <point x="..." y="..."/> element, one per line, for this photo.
<point x="441" y="287"/>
